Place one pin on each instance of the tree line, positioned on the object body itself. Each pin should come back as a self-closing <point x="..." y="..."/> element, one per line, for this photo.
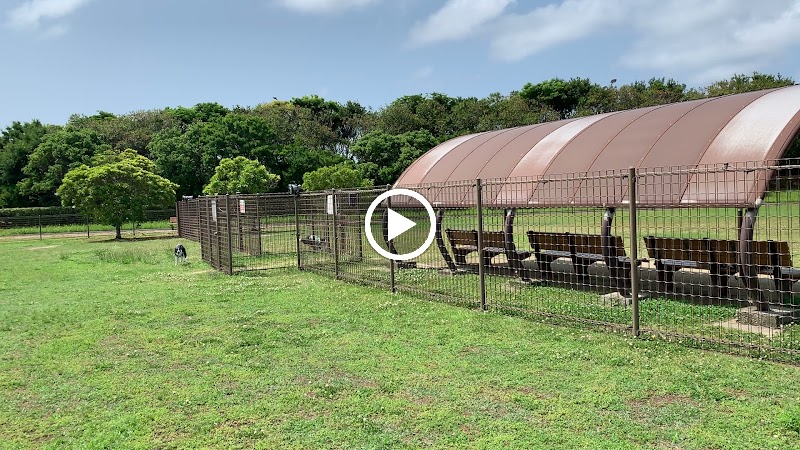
<point x="318" y="142"/>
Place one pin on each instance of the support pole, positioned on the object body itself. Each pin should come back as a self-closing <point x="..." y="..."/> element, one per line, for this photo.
<point x="481" y="264"/>
<point x="440" y="243"/>
<point x="40" y="225"/>
<point x="747" y="270"/>
<point x="634" y="241"/>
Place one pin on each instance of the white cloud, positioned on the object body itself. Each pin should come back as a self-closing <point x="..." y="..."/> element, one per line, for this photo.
<point x="518" y="36"/>
<point x="457" y="19"/>
<point x="702" y="40"/>
<point x="54" y="31"/>
<point x="715" y="40"/>
<point x="423" y="72"/>
<point x="324" y="6"/>
<point x="32" y="13"/>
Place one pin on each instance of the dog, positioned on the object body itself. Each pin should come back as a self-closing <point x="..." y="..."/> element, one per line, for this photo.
<point x="180" y="254"/>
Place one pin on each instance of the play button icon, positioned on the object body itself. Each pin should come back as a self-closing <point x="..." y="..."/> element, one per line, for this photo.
<point x="397" y="223"/>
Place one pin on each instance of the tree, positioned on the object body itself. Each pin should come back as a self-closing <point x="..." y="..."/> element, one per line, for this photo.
<point x="58" y="152"/>
<point x="17" y="142"/>
<point x="385" y="156"/>
<point x="295" y="160"/>
<point x="240" y="175"/>
<point x="334" y="177"/>
<point x="117" y="191"/>
<point x="501" y="112"/>
<point x="179" y="160"/>
<point x="743" y="83"/>
<point x="560" y="95"/>
<point x="133" y="130"/>
<point x="431" y="112"/>
<point x="201" y="112"/>
<point x="189" y="158"/>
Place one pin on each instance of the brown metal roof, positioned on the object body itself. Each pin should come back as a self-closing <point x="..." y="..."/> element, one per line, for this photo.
<point x="754" y="126"/>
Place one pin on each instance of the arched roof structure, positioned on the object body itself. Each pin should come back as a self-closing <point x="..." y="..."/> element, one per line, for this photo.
<point x="754" y="126"/>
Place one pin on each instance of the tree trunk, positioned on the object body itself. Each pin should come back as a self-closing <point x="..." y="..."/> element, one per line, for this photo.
<point x="118" y="228"/>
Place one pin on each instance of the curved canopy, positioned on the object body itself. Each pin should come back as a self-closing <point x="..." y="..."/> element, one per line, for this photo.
<point x="754" y="126"/>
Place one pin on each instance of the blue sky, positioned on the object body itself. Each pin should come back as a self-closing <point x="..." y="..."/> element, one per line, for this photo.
<point x="79" y="56"/>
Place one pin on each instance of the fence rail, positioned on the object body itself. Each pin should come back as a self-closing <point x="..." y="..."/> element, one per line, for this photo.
<point x="678" y="253"/>
<point x="40" y="225"/>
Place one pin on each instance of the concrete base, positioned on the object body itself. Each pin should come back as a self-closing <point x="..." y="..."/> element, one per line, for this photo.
<point x="617" y="299"/>
<point x="527" y="282"/>
<point x="733" y="324"/>
<point x="406" y="264"/>
<point x="776" y="317"/>
<point x="450" y="273"/>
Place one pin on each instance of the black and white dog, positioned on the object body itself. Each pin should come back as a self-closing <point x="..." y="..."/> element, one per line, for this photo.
<point x="180" y="254"/>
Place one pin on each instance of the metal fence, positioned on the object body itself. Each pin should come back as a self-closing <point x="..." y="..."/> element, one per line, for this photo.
<point x="40" y="225"/>
<point x="692" y="254"/>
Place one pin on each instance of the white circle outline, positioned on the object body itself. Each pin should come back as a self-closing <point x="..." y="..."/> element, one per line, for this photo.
<point x="368" y="224"/>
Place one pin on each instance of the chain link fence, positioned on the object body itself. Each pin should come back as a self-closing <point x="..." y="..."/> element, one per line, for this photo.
<point x="702" y="255"/>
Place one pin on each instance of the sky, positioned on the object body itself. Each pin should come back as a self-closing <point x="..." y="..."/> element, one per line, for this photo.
<point x="64" y="57"/>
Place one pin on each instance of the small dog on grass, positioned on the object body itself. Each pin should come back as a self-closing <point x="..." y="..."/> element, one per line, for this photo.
<point x="180" y="254"/>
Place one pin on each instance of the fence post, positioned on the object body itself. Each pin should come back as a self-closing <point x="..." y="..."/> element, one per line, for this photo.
<point x="207" y="205"/>
<point x="335" y="237"/>
<point x="297" y="231"/>
<point x="634" y="240"/>
<point x="258" y="223"/>
<point x="392" y="263"/>
<point x="178" y="218"/>
<point x="39" y="214"/>
<point x="481" y="265"/>
<point x="199" y="212"/>
<point x="238" y="208"/>
<point x="228" y="226"/>
<point x="87" y="227"/>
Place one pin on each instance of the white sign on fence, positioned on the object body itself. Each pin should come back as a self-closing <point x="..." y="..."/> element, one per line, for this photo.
<point x="214" y="210"/>
<point x="241" y="206"/>
<point x="330" y="204"/>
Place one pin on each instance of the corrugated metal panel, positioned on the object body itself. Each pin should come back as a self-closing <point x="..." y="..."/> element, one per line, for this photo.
<point x="749" y="136"/>
<point x="416" y="172"/>
<point x="753" y="126"/>
<point x="538" y="159"/>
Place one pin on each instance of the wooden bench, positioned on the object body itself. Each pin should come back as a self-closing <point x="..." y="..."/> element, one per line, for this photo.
<point x="673" y="254"/>
<point x="463" y="243"/>
<point x="583" y="250"/>
<point x="775" y="258"/>
<point x="720" y="257"/>
<point x="494" y="243"/>
<point x="317" y="243"/>
<point x="548" y="247"/>
<point x="173" y="222"/>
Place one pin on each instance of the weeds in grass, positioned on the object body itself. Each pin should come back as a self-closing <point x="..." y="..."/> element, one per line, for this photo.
<point x="127" y="351"/>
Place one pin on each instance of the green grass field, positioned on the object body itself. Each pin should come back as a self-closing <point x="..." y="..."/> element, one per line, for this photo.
<point x="110" y="345"/>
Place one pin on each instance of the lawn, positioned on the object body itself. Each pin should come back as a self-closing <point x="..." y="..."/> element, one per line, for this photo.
<point x="110" y="345"/>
